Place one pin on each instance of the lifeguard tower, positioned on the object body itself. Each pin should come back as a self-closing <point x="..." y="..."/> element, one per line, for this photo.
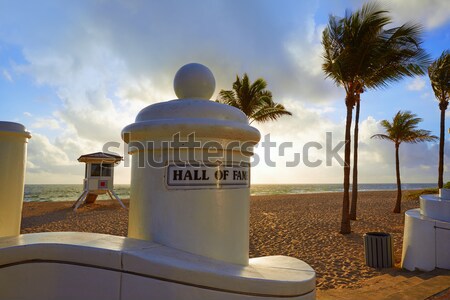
<point x="98" y="178"/>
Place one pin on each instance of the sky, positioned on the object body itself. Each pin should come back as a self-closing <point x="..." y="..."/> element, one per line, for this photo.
<point x="76" y="72"/>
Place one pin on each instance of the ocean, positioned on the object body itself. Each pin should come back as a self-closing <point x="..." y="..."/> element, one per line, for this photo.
<point x="70" y="192"/>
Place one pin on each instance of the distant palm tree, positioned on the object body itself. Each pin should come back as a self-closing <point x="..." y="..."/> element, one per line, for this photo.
<point x="359" y="54"/>
<point x="439" y="73"/>
<point x="253" y="99"/>
<point x="403" y="129"/>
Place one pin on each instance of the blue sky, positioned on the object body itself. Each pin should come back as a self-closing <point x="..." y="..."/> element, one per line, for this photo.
<point x="76" y="72"/>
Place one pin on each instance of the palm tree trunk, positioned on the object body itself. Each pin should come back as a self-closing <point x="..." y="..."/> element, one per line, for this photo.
<point x="441" y="148"/>
<point x="398" y="204"/>
<point x="345" y="221"/>
<point x="355" y="164"/>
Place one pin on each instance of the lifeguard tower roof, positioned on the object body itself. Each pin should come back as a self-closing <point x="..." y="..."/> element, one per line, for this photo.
<point x="100" y="157"/>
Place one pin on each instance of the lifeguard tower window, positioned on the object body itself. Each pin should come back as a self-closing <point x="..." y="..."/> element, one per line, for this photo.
<point x="98" y="170"/>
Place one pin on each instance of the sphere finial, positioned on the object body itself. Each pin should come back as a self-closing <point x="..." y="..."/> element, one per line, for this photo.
<point x="194" y="81"/>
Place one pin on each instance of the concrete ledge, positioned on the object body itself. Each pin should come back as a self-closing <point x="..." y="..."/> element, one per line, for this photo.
<point x="434" y="207"/>
<point x="273" y="277"/>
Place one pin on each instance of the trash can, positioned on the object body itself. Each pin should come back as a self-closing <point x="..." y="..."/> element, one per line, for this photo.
<point x="378" y="250"/>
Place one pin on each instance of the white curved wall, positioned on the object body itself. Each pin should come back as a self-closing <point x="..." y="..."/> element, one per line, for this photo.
<point x="73" y="265"/>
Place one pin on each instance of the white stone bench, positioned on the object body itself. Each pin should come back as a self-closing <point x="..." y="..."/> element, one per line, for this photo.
<point x="74" y="265"/>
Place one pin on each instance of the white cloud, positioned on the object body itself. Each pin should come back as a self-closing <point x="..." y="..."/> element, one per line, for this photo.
<point x="417" y="84"/>
<point x="431" y="13"/>
<point x="114" y="58"/>
<point x="305" y="50"/>
<point x="55" y="161"/>
<point x="107" y="66"/>
<point x="376" y="157"/>
<point x="43" y="153"/>
<point x="49" y="123"/>
<point x="7" y="75"/>
<point x="143" y="91"/>
<point x="427" y="96"/>
<point x="308" y="126"/>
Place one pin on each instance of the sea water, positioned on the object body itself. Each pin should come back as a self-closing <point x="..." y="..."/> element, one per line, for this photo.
<point x="71" y="192"/>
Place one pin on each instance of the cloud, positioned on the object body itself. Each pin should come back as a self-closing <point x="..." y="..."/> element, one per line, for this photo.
<point x="305" y="50"/>
<point x="45" y="123"/>
<point x="44" y="155"/>
<point x="418" y="162"/>
<point x="105" y="61"/>
<point x="7" y="75"/>
<point x="377" y="157"/>
<point x="55" y="161"/>
<point x="113" y="60"/>
<point x="417" y="84"/>
<point x="431" y="13"/>
<point x="304" y="136"/>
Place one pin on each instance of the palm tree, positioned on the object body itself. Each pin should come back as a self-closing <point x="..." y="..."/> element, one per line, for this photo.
<point x="439" y="73"/>
<point x="253" y="99"/>
<point x="359" y="54"/>
<point x="403" y="129"/>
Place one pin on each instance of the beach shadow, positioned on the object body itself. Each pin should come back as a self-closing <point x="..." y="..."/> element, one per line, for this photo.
<point x="100" y="207"/>
<point x="354" y="238"/>
<point x="55" y="215"/>
<point x="52" y="212"/>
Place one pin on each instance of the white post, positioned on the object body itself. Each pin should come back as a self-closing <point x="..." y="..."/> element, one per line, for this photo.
<point x="203" y="207"/>
<point x="13" y="152"/>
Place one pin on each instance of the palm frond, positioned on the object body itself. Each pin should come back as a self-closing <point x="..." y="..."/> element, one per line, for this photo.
<point x="439" y="73"/>
<point x="228" y="97"/>
<point x="270" y="113"/>
<point x="360" y="51"/>
<point x="253" y="99"/>
<point x="403" y="128"/>
<point x="420" y="135"/>
<point x="381" y="137"/>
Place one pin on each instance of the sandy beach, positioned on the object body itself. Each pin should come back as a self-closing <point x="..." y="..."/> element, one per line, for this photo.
<point x="303" y="226"/>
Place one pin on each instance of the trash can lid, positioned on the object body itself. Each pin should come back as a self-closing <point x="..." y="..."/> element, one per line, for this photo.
<point x="384" y="234"/>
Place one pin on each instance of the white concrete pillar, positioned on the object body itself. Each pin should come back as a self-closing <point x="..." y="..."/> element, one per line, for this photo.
<point x="13" y="152"/>
<point x="203" y="207"/>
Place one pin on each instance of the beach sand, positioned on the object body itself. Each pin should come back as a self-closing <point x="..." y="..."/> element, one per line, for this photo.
<point x="304" y="226"/>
